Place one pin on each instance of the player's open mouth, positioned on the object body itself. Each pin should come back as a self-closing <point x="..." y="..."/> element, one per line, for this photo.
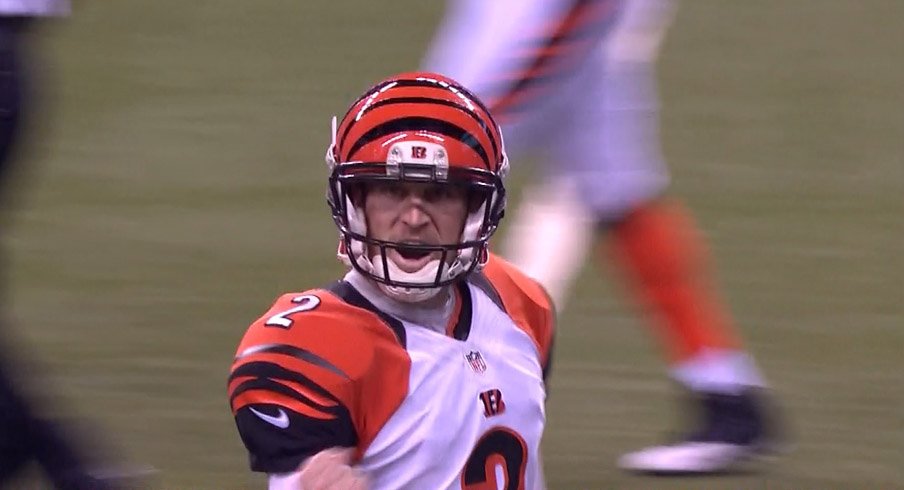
<point x="412" y="253"/>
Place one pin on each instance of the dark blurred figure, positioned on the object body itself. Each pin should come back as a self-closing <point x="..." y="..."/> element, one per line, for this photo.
<point x="26" y="437"/>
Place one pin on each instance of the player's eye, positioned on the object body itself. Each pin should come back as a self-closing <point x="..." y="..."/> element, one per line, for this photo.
<point x="389" y="189"/>
<point x="443" y="192"/>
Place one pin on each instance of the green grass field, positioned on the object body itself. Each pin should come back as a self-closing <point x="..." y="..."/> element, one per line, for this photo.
<point x="176" y="182"/>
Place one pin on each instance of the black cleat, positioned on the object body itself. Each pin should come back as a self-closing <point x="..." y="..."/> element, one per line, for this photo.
<point x="733" y="429"/>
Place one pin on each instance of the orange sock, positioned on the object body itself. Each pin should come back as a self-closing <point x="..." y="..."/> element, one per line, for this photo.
<point x="662" y="252"/>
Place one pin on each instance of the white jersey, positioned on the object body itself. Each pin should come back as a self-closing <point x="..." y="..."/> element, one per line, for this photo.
<point x="34" y="7"/>
<point x="572" y="80"/>
<point x="424" y="409"/>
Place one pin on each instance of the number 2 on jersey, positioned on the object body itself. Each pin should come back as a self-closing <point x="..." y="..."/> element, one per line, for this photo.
<point x="501" y="452"/>
<point x="305" y="303"/>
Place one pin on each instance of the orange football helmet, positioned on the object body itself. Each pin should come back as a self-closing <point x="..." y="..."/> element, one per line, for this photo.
<point x="417" y="127"/>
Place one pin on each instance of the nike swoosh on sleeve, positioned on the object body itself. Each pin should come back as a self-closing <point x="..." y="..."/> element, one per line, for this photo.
<point x="281" y="420"/>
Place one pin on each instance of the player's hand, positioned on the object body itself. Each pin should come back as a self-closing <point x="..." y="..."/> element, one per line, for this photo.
<point x="331" y="469"/>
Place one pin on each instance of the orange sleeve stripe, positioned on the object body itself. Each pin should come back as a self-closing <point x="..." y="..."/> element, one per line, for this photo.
<point x="319" y="375"/>
<point x="254" y="397"/>
<point x="235" y="382"/>
<point x="284" y="354"/>
<point x="297" y="387"/>
<point x="287" y="362"/>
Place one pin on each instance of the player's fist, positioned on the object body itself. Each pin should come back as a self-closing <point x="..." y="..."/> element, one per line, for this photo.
<point x="331" y="469"/>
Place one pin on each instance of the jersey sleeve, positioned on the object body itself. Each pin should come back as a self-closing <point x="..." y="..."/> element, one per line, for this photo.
<point x="297" y="384"/>
<point x="527" y="303"/>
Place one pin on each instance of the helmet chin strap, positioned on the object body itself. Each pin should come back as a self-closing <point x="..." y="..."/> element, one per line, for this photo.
<point x="409" y="295"/>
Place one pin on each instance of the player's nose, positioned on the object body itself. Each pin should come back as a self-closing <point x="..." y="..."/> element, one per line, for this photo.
<point x="414" y="215"/>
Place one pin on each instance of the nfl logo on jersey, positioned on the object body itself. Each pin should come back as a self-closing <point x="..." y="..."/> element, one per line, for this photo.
<point x="476" y="361"/>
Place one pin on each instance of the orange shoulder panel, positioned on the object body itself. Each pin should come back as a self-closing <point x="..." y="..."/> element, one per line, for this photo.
<point x="348" y="351"/>
<point x="526" y="301"/>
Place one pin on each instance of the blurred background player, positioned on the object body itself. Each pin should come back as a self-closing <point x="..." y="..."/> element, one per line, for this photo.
<point x="424" y="366"/>
<point x="573" y="82"/>
<point x="25" y="435"/>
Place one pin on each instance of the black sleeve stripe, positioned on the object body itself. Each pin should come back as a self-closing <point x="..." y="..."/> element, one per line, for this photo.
<point x="276" y="387"/>
<point x="292" y="351"/>
<point x="268" y="370"/>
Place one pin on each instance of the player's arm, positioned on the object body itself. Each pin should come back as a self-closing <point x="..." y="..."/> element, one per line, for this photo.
<point x="288" y="392"/>
<point x="302" y="380"/>
<point x="284" y="414"/>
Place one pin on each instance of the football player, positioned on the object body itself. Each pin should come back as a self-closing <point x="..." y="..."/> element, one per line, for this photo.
<point x="573" y="81"/>
<point x="425" y="365"/>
